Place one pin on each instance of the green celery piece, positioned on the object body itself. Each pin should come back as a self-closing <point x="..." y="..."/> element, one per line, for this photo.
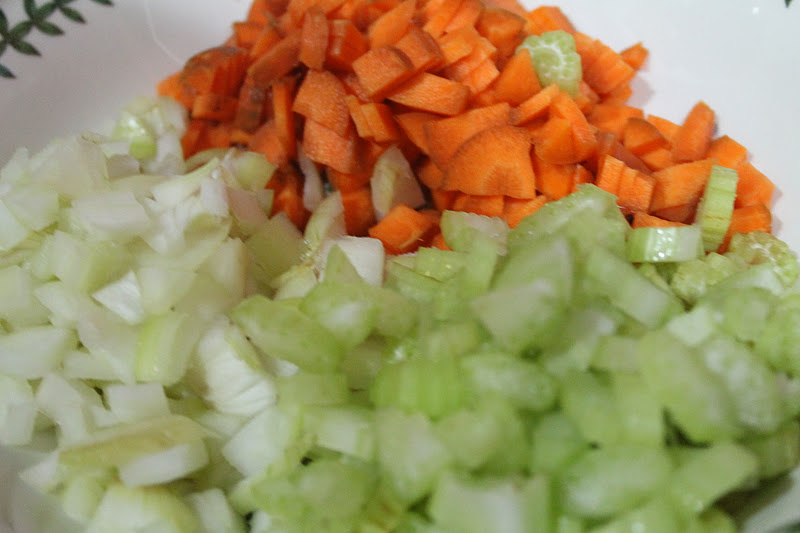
<point x="609" y="480"/>
<point x="672" y="244"/>
<point x="473" y="435"/>
<point x="410" y="454"/>
<point x="691" y="279"/>
<point x="306" y="388"/>
<point x="716" y="206"/>
<point x="439" y="264"/>
<point x="640" y="412"/>
<point x="346" y="312"/>
<point x="460" y="228"/>
<point x="283" y="331"/>
<point x="548" y="256"/>
<point x="778" y="452"/>
<point x="467" y="505"/>
<point x="697" y="399"/>
<point x="588" y="400"/>
<point x="347" y="429"/>
<point x="523" y="382"/>
<point x="709" y="473"/>
<point x="555" y="60"/>
<point x="713" y="520"/>
<point x="741" y="313"/>
<point x="616" y="353"/>
<point x="275" y="247"/>
<point x="556" y="441"/>
<point x="657" y="515"/>
<point x="760" y="247"/>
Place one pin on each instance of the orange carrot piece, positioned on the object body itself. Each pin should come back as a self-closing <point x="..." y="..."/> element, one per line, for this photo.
<point x="246" y="32"/>
<point x="566" y="137"/>
<point x="314" y="38"/>
<point x="391" y="26"/>
<point x="345" y="182"/>
<point x="747" y="219"/>
<point x="359" y="213"/>
<point x="437" y="14"/>
<point x="250" y="110"/>
<point x="727" y="152"/>
<point x="277" y="62"/>
<point x="267" y="140"/>
<point x="288" y="198"/>
<point x="667" y="128"/>
<point x="635" y="191"/>
<point x="517" y="80"/>
<point x="269" y="36"/>
<point x="482" y="51"/>
<point x="609" y="174"/>
<point x="613" y="117"/>
<point x="684" y="213"/>
<point x="380" y="121"/>
<point x="547" y="18"/>
<point x="173" y="87"/>
<point x="322" y="97"/>
<point x="445" y="136"/>
<point x="421" y="49"/>
<point x="635" y="55"/>
<point x="443" y="200"/>
<point x="680" y="184"/>
<point x="324" y="146"/>
<point x="494" y="161"/>
<point x="515" y="209"/>
<point x="640" y="136"/>
<point x="193" y="137"/>
<point x="693" y="138"/>
<point x="658" y="159"/>
<point x="413" y="125"/>
<point x="383" y="69"/>
<point x="346" y="44"/>
<point x="554" y="181"/>
<point x="482" y="76"/>
<point x="437" y="241"/>
<point x="753" y="187"/>
<point x="214" y="106"/>
<point x="458" y="43"/>
<point x="603" y="68"/>
<point x="503" y="28"/>
<point x="645" y="220"/>
<point x="534" y="107"/>
<point x="403" y="230"/>
<point x="430" y="174"/>
<point x="429" y="92"/>
<point x="282" y="101"/>
<point x="467" y="14"/>
<point x="490" y="206"/>
<point x="261" y="11"/>
<point x="357" y="115"/>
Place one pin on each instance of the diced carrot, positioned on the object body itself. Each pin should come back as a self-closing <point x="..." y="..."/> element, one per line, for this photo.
<point x="314" y="38"/>
<point x="288" y="198"/>
<point x="645" y="220"/>
<point x="267" y="140"/>
<point x="494" y="161"/>
<point x="658" y="159"/>
<point x="503" y="28"/>
<point x="382" y="69"/>
<point x="445" y="136"/>
<point x="458" y="43"/>
<point x="443" y="200"/>
<point x="515" y="209"/>
<point x="324" y="146"/>
<point x="747" y="219"/>
<point x="269" y="36"/>
<point x="693" y="138"/>
<point x="482" y="51"/>
<point x="345" y="182"/>
<point x="214" y="106"/>
<point x="261" y="11"/>
<point x="421" y="49"/>
<point x="346" y="43"/>
<point x="566" y="137"/>
<point x="684" y="213"/>
<point x="640" y="136"/>
<point x="392" y="25"/>
<point x="322" y="97"/>
<point x="613" y="117"/>
<point x="250" y="110"/>
<point x="403" y="230"/>
<point x="193" y="139"/>
<point x="609" y="174"/>
<point x="357" y="115"/>
<point x="277" y="61"/>
<point x="635" y="191"/>
<point x="437" y="14"/>
<point x="283" y="116"/>
<point x="753" y="186"/>
<point x="430" y="174"/>
<point x="667" y="128"/>
<point x="517" y="80"/>
<point x="482" y="76"/>
<point x="727" y="152"/>
<point x="380" y="121"/>
<point x="359" y="213"/>
<point x="246" y="32"/>
<point x="467" y="14"/>
<point x="554" y="180"/>
<point x="635" y="55"/>
<point x="429" y="92"/>
<point x="547" y="18"/>
<point x="490" y="206"/>
<point x="173" y="87"/>
<point x="437" y="241"/>
<point x="534" y="107"/>
<point x="413" y="125"/>
<point x="680" y="184"/>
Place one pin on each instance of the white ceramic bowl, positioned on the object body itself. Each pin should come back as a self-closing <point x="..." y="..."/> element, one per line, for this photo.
<point x="742" y="57"/>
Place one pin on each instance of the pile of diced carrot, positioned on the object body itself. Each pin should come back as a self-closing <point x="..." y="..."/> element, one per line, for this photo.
<point x="343" y="80"/>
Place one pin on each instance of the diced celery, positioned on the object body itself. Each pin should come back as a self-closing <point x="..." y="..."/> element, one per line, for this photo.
<point x="549" y="257"/>
<point x="439" y="264"/>
<point x="760" y="247"/>
<point x="691" y="279"/>
<point x="523" y="382"/>
<point x="306" y="388"/>
<point x="709" y="473"/>
<point x="587" y="399"/>
<point x="275" y="247"/>
<point x="345" y="429"/>
<point x="716" y="206"/>
<point x="616" y="353"/>
<point x="409" y="453"/>
<point x="671" y="244"/>
<point x="612" y="479"/>
<point x="365" y="254"/>
<point x="555" y="59"/>
<point x="777" y="452"/>
<point x="640" y="412"/>
<point x="697" y="399"/>
<point x="472" y="435"/>
<point x="346" y="312"/>
<point x="556" y="442"/>
<point x="713" y="520"/>
<point x="655" y="516"/>
<point x="287" y="333"/>
<point x="459" y="229"/>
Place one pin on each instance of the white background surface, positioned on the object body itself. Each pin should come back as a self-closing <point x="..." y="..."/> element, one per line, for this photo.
<point x="741" y="56"/>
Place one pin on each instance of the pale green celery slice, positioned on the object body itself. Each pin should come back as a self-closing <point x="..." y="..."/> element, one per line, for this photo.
<point x="716" y="206"/>
<point x="672" y="244"/>
<point x="759" y="247"/>
<point x="555" y="60"/>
